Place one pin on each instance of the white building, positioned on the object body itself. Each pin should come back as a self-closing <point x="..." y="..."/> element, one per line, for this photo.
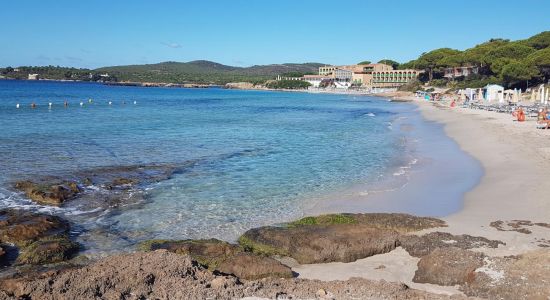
<point x="494" y="93"/>
<point x="33" y="77"/>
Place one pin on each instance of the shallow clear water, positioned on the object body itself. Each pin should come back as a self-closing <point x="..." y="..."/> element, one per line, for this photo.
<point x="262" y="154"/>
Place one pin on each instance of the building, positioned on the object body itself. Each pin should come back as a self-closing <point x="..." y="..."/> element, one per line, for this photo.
<point x="452" y="73"/>
<point x="33" y="77"/>
<point x="493" y="92"/>
<point x="374" y="76"/>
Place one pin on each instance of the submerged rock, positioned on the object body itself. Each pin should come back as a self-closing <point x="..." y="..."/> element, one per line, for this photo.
<point x="448" y="266"/>
<point x="419" y="246"/>
<point x="49" y="192"/>
<point x="48" y="250"/>
<point x="22" y="228"/>
<point x="223" y="257"/>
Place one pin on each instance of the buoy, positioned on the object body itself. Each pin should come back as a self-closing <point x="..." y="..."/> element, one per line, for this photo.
<point x="135" y="102"/>
<point x="50" y="105"/>
<point x="17" y="105"/>
<point x="110" y="102"/>
<point x="90" y="100"/>
<point x="81" y="103"/>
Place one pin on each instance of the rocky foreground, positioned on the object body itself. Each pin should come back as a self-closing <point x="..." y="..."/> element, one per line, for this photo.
<point x="41" y="262"/>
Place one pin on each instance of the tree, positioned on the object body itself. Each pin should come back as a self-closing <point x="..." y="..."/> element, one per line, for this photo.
<point x="517" y="71"/>
<point x="539" y="41"/>
<point x="390" y="62"/>
<point x="366" y="62"/>
<point x="431" y="61"/>
<point x="541" y="59"/>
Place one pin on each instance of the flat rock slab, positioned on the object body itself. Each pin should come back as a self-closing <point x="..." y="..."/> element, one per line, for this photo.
<point x="448" y="266"/>
<point x="320" y="243"/>
<point x="223" y="257"/>
<point x="419" y="246"/>
<point x="526" y="276"/>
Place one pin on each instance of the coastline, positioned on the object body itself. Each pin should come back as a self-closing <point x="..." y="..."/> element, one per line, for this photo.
<point x="508" y="191"/>
<point x="514" y="187"/>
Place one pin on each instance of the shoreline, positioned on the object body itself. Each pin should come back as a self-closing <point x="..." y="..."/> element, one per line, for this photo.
<point x="514" y="187"/>
<point x="508" y="204"/>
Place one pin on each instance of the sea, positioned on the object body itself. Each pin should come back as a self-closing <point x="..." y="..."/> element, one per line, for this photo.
<point x="244" y="158"/>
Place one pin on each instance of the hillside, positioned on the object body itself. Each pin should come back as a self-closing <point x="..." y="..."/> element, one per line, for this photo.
<point x="202" y="71"/>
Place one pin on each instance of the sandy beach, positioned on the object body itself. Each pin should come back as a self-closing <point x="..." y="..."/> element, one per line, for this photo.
<point x="516" y="161"/>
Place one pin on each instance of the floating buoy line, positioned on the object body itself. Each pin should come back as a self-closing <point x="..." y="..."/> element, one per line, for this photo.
<point x="34" y="105"/>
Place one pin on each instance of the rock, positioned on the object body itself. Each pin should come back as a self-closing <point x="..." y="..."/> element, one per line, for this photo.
<point x="239" y="85"/>
<point x="22" y="228"/>
<point x="223" y="257"/>
<point x="448" y="266"/>
<point x="210" y="253"/>
<point x="399" y="222"/>
<point x="419" y="246"/>
<point x="48" y="250"/>
<point x="164" y="275"/>
<point x="320" y="243"/>
<point x="53" y="192"/>
<point x="514" y="277"/>
<point x="249" y="266"/>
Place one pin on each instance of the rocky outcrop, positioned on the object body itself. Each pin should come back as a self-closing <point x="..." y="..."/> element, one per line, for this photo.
<point x="164" y="275"/>
<point x="22" y="228"/>
<point x="320" y="243"/>
<point x="335" y="237"/>
<point x="448" y="266"/>
<point x="39" y="238"/>
<point x="419" y="246"/>
<point x="223" y="257"/>
<point x="239" y="85"/>
<point x="48" y="250"/>
<point x="52" y="192"/>
<point x="514" y="277"/>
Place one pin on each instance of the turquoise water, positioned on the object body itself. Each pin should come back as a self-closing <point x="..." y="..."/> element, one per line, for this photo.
<point x="264" y="157"/>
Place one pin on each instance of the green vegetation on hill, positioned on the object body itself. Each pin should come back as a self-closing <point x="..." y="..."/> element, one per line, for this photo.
<point x="199" y="71"/>
<point x="205" y="72"/>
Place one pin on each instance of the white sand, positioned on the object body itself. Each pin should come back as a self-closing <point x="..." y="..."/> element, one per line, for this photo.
<point x="516" y="186"/>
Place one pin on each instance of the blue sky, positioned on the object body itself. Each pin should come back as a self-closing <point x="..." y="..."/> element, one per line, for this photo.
<point x="238" y="32"/>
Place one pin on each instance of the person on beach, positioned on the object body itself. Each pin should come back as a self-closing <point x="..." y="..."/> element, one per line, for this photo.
<point x="542" y="118"/>
<point x="519" y="114"/>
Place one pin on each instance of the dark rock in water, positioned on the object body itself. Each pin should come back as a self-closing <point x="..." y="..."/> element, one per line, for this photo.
<point x="250" y="266"/>
<point x="49" y="192"/>
<point x="48" y="250"/>
<point x="448" y="266"/>
<point x="419" y="246"/>
<point x="22" y="228"/>
<point x="320" y="243"/>
<point x="223" y="257"/>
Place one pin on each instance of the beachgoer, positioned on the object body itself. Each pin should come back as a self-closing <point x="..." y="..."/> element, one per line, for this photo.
<point x="66" y="103"/>
<point x="520" y="115"/>
<point x="33" y="105"/>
